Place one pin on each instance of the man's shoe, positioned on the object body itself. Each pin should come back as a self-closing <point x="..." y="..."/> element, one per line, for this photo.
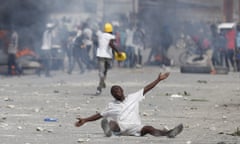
<point x="213" y="72"/>
<point x="106" y="128"/>
<point x="175" y="131"/>
<point x="99" y="91"/>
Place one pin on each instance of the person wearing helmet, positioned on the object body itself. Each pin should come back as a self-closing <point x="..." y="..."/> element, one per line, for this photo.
<point x="104" y="54"/>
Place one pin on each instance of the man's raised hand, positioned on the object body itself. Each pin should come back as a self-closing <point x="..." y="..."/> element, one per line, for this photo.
<point x="163" y="76"/>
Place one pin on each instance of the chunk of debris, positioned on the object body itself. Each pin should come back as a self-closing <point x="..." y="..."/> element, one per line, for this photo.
<point x="199" y="100"/>
<point x="176" y="96"/>
<point x="56" y="91"/>
<point x="202" y="81"/>
<point x="8" y="99"/>
<point x="11" y="106"/>
<point x="82" y="140"/>
<point x="39" y="129"/>
<point x="19" y="128"/>
<point x="221" y="143"/>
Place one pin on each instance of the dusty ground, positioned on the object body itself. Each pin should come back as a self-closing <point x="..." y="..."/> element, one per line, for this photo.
<point x="207" y="105"/>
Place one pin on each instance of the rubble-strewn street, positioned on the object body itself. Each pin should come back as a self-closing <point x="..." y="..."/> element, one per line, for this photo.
<point x="207" y="105"/>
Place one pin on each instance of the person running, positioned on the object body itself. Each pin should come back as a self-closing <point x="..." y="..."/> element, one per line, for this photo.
<point x="105" y="54"/>
<point x="123" y="113"/>
<point x="77" y="52"/>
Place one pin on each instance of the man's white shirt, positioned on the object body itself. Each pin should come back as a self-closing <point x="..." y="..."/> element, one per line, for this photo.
<point x="104" y="51"/>
<point x="126" y="112"/>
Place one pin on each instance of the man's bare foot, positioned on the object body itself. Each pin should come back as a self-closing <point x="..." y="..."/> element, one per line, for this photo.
<point x="175" y="131"/>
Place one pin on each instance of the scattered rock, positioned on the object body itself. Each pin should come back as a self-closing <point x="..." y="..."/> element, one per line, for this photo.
<point x="145" y="114"/>
<point x="224" y="117"/>
<point x="8" y="99"/>
<point x="82" y="140"/>
<point x="49" y="130"/>
<point x="36" y="110"/>
<point x="213" y="128"/>
<point x="179" y="95"/>
<point x="221" y="143"/>
<point x="19" y="128"/>
<point x="56" y="91"/>
<point x="193" y="108"/>
<point x="176" y="96"/>
<point x="202" y="81"/>
<point x="4" y="118"/>
<point x="11" y="106"/>
<point x="39" y="129"/>
<point x="3" y="125"/>
<point x="185" y="93"/>
<point x="199" y="100"/>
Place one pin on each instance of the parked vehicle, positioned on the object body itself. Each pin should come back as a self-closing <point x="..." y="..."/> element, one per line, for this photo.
<point x="26" y="59"/>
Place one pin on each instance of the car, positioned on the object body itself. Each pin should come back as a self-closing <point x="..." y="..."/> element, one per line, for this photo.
<point x="26" y="59"/>
<point x="3" y="57"/>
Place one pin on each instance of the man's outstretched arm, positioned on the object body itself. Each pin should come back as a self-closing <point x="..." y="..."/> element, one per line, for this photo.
<point x="155" y="82"/>
<point x="111" y="44"/>
<point x="82" y="121"/>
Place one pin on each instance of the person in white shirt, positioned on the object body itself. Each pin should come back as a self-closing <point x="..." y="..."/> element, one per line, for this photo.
<point x="138" y="40"/>
<point x="130" y="48"/>
<point x="105" y="54"/>
<point x="46" y="54"/>
<point x="88" y="38"/>
<point x="123" y="113"/>
<point x="12" y="50"/>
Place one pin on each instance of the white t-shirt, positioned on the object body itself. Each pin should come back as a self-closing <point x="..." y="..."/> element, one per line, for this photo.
<point x="13" y="45"/>
<point x="104" y="50"/>
<point x="47" y="40"/>
<point x="126" y="113"/>
<point x="88" y="33"/>
<point x="129" y="41"/>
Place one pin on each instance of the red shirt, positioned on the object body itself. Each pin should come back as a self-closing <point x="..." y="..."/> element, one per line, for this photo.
<point x="230" y="35"/>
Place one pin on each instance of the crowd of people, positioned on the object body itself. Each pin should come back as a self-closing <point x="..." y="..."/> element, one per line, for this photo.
<point x="65" y="44"/>
<point x="81" y="42"/>
<point x="220" y="45"/>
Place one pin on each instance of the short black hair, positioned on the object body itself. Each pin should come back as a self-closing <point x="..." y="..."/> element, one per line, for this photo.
<point x="113" y="88"/>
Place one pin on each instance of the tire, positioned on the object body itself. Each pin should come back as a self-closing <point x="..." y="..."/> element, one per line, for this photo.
<point x="195" y="69"/>
<point x="183" y="58"/>
<point x="221" y="70"/>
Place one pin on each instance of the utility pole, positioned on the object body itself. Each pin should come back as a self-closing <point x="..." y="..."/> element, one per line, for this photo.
<point x="134" y="11"/>
<point x="228" y="10"/>
<point x="238" y="10"/>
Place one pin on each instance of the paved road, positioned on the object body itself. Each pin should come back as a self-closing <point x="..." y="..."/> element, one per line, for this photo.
<point x="207" y="105"/>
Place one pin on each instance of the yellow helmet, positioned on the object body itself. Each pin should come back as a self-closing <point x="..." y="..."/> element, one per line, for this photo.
<point x="108" y="27"/>
<point x="123" y="56"/>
